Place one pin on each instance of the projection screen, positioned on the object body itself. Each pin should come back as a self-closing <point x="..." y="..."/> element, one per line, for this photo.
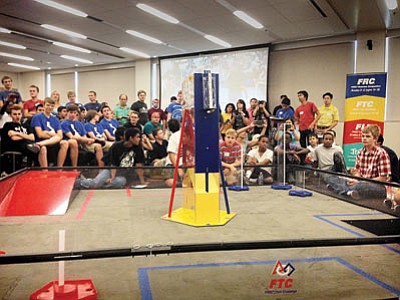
<point x="242" y="74"/>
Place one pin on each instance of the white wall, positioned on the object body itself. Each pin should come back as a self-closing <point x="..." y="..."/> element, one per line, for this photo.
<point x="36" y="78"/>
<point x="316" y="69"/>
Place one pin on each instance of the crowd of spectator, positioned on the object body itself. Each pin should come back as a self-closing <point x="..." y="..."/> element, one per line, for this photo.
<point x="52" y="133"/>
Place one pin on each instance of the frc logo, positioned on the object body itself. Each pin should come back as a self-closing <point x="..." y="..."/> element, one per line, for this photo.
<point x="281" y="282"/>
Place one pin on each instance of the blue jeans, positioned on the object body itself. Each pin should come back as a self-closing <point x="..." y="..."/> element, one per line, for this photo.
<point x="100" y="181"/>
<point x="366" y="190"/>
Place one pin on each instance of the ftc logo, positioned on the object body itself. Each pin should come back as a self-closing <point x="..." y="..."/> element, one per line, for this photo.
<point x="283" y="271"/>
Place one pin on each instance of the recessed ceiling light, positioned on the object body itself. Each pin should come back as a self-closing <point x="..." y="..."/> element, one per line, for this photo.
<point x="12" y="45"/>
<point x="63" y="8"/>
<point x="249" y="20"/>
<point x="77" y="59"/>
<point x="64" y="31"/>
<point x="23" y="66"/>
<point x="144" y="36"/>
<point x="16" y="56"/>
<point x="71" y="47"/>
<point x="157" y="13"/>
<point x="135" y="52"/>
<point x="4" y="30"/>
<point x="217" y="41"/>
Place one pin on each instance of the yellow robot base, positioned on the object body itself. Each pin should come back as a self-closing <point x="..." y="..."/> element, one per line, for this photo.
<point x="200" y="205"/>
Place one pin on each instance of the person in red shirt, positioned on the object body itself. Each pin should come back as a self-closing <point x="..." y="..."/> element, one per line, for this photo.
<point x="306" y="115"/>
<point x="30" y="105"/>
<point x="230" y="152"/>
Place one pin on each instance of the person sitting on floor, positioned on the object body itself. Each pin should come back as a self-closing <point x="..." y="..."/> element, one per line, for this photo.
<point x="292" y="156"/>
<point x="372" y="162"/>
<point x="230" y="152"/>
<point x="127" y="153"/>
<point x="259" y="158"/>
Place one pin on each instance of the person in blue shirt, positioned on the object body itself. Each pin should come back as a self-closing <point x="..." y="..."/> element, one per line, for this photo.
<point x="93" y="104"/>
<point x="9" y="91"/>
<point x="285" y="112"/>
<point x="109" y="124"/>
<point x="48" y="136"/>
<point x="74" y="132"/>
<point x="95" y="131"/>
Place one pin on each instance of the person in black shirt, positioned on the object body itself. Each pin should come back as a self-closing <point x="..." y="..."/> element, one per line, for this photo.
<point x="133" y="121"/>
<point x="141" y="107"/>
<point x="16" y="136"/>
<point x="159" y="153"/>
<point x="127" y="153"/>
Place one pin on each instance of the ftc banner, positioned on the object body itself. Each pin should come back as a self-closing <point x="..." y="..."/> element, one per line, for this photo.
<point x="365" y="104"/>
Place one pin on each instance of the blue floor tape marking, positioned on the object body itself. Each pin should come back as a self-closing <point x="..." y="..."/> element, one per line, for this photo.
<point x="146" y="292"/>
<point x="323" y="218"/>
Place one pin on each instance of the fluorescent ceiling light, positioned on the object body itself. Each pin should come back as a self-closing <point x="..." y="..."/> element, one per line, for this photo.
<point x="4" y="30"/>
<point x="63" y="8"/>
<point x="391" y="4"/>
<point x="135" y="52"/>
<point x="144" y="36"/>
<point x="217" y="41"/>
<point x="157" y="13"/>
<point x="16" y="56"/>
<point x="76" y="59"/>
<point x="71" y="47"/>
<point x="249" y="20"/>
<point x="23" y="66"/>
<point x="64" y="31"/>
<point x="12" y="45"/>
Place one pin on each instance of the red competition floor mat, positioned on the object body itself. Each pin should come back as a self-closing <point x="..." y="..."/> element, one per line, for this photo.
<point x="37" y="193"/>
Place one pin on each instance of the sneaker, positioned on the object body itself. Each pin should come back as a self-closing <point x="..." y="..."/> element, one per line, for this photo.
<point x="253" y="180"/>
<point x="87" y="183"/>
<point x="354" y="194"/>
<point x="35" y="148"/>
<point x="388" y="203"/>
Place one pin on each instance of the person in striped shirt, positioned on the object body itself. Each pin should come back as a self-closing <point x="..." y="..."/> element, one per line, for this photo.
<point x="230" y="152"/>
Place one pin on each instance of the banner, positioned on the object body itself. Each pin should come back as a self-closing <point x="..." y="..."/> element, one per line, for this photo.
<point x="365" y="104"/>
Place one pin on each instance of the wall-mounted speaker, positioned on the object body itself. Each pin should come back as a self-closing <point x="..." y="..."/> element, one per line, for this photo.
<point x="369" y="44"/>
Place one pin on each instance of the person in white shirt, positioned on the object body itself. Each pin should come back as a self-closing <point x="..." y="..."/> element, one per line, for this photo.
<point x="259" y="158"/>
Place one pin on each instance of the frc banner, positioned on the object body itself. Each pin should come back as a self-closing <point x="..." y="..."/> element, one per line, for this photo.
<point x="365" y="104"/>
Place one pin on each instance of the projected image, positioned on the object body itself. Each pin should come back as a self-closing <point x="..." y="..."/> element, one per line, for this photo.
<point x="242" y="74"/>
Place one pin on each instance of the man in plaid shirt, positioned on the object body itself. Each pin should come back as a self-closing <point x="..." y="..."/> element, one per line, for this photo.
<point x="372" y="162"/>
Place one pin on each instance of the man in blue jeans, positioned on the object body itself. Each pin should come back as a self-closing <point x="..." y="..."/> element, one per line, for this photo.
<point x="127" y="153"/>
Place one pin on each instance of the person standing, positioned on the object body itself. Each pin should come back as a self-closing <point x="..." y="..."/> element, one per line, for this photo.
<point x="121" y="111"/>
<point x="306" y="115"/>
<point x="329" y="116"/>
<point x="155" y="107"/>
<point x="141" y="107"/>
